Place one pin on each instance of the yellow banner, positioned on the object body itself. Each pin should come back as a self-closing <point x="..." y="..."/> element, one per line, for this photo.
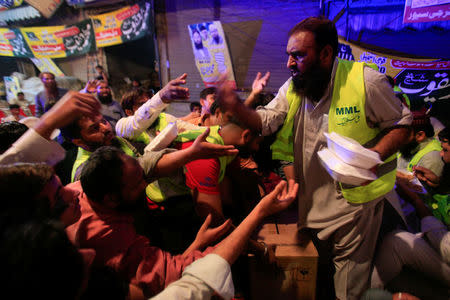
<point x="47" y="65"/>
<point x="123" y="25"/>
<point x="60" y="41"/>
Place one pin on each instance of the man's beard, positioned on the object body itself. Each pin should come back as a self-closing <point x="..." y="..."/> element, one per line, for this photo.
<point x="51" y="91"/>
<point x="244" y="151"/>
<point x="138" y="205"/>
<point x="105" y="99"/>
<point x="406" y="150"/>
<point x="313" y="82"/>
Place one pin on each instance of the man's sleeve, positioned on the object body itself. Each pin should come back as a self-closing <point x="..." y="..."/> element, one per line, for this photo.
<point x="201" y="279"/>
<point x="383" y="109"/>
<point x="33" y="148"/>
<point x="149" y="160"/>
<point x="273" y="114"/>
<point x="433" y="162"/>
<point x="438" y="236"/>
<point x="142" y="119"/>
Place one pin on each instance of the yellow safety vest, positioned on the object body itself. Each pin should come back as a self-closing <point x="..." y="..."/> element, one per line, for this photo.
<point x="83" y="155"/>
<point x="146" y="137"/>
<point x="347" y="117"/>
<point x="164" y="188"/>
<point x="433" y="145"/>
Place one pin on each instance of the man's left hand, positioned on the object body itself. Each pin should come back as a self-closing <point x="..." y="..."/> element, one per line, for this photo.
<point x="201" y="149"/>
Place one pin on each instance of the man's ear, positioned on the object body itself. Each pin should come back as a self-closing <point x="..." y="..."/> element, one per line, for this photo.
<point x="246" y="136"/>
<point x="326" y="55"/>
<point x="420" y="136"/>
<point x="110" y="201"/>
<point x="129" y="112"/>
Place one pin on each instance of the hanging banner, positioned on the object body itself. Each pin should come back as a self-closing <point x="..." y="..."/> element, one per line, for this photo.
<point x="127" y="24"/>
<point x="423" y="80"/>
<point x="211" y="52"/>
<point x="47" y="65"/>
<point x="418" y="11"/>
<point x="12" y="43"/>
<point x="60" y="41"/>
<point x="46" y="7"/>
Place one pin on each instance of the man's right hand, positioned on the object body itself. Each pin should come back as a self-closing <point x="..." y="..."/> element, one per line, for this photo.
<point x="427" y="176"/>
<point x="69" y="108"/>
<point x="173" y="90"/>
<point x="279" y="199"/>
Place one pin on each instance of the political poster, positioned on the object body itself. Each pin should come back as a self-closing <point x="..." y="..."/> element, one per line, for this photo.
<point x="60" y="41"/>
<point x="127" y="24"/>
<point x="12" y="43"/>
<point x="211" y="52"/>
<point x="12" y="87"/>
<point x="423" y="80"/>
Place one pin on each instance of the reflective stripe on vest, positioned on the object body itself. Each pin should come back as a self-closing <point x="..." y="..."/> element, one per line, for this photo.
<point x="433" y="145"/>
<point x="164" y="188"/>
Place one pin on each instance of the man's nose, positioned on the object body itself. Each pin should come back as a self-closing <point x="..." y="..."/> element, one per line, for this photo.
<point x="290" y="62"/>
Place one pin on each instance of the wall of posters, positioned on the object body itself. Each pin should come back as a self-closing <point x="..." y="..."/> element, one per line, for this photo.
<point x="123" y="25"/>
<point x="211" y="52"/>
<point x="423" y="80"/>
<point x="60" y="41"/>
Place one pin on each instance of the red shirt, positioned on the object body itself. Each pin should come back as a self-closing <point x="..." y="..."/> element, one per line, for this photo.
<point x="202" y="174"/>
<point x="117" y="245"/>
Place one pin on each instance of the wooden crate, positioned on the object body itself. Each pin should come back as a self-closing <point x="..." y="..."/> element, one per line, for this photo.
<point x="295" y="275"/>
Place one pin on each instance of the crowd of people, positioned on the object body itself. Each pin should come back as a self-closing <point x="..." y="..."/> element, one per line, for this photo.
<point x="103" y="200"/>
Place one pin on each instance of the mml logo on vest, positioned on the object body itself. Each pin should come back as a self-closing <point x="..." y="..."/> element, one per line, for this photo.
<point x="346" y="110"/>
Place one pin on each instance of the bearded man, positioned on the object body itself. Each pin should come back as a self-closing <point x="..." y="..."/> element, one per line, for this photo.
<point x="50" y="95"/>
<point x="327" y="94"/>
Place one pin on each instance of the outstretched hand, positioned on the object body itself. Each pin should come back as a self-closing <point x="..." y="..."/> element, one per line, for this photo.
<point x="91" y="86"/>
<point x="173" y="90"/>
<point x="260" y="82"/>
<point x="207" y="235"/>
<point x="279" y="199"/>
<point x="201" y="149"/>
<point x="69" y="108"/>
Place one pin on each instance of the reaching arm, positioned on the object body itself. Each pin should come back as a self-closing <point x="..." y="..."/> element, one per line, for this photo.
<point x="279" y="199"/>
<point x="258" y="86"/>
<point x="392" y="141"/>
<point x="200" y="149"/>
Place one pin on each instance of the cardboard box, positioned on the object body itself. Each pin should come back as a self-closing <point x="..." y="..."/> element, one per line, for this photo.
<point x="296" y="273"/>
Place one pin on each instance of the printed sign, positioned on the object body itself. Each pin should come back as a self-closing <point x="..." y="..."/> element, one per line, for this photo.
<point x="417" y="11"/>
<point x="423" y="80"/>
<point x="127" y="24"/>
<point x="211" y="52"/>
<point x="12" y="87"/>
<point x="60" y="41"/>
<point x="7" y="4"/>
<point x="12" y="43"/>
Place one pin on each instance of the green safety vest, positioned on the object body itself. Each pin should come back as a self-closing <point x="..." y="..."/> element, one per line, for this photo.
<point x="346" y="117"/>
<point x="164" y="188"/>
<point x="440" y="207"/>
<point x="83" y="155"/>
<point x="433" y="145"/>
<point x="145" y="137"/>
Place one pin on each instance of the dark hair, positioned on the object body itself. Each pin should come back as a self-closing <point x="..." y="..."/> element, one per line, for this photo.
<point x="102" y="173"/>
<point x="207" y="91"/>
<point x="42" y="75"/>
<point x="13" y="106"/>
<point x="444" y="134"/>
<point x="324" y="31"/>
<point x="193" y="105"/>
<point x="72" y="131"/>
<point x="391" y="80"/>
<point x="99" y="66"/>
<point x="39" y="261"/>
<point x="130" y="98"/>
<point x="21" y="184"/>
<point x="105" y="283"/>
<point x="9" y="133"/>
<point x="421" y="122"/>
<point x="214" y="107"/>
<point x="20" y="93"/>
